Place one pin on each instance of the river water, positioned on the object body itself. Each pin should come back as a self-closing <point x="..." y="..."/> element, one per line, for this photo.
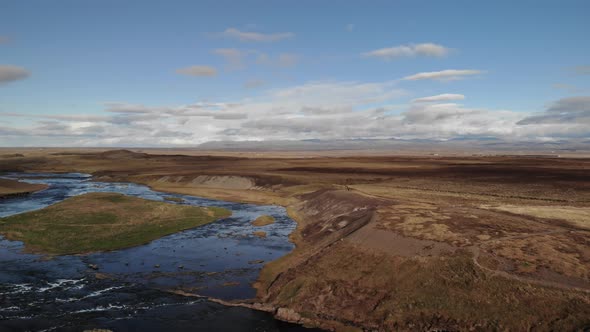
<point x="131" y="290"/>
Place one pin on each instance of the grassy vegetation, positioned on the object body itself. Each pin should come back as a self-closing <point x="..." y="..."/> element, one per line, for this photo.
<point x="263" y="220"/>
<point x="367" y="288"/>
<point x="101" y="222"/>
<point x="526" y="218"/>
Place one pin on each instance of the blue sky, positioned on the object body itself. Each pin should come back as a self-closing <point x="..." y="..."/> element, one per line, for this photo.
<point x="167" y="73"/>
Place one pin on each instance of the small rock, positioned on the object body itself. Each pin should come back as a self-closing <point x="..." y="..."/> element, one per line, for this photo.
<point x="93" y="266"/>
<point x="157" y="266"/>
<point x="258" y="261"/>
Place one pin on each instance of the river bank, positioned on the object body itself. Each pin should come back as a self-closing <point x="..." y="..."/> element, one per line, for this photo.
<point x="12" y="188"/>
<point x="219" y="260"/>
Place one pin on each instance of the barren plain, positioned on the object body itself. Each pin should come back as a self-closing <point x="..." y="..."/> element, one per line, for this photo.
<point x="393" y="242"/>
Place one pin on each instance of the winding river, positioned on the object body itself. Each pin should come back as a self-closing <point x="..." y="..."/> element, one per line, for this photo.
<point x="132" y="288"/>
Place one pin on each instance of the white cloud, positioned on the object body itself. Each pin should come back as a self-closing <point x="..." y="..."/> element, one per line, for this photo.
<point x="571" y="110"/>
<point x="314" y="110"/>
<point x="441" y="97"/>
<point x="410" y="50"/>
<point x="337" y="94"/>
<point x="60" y="117"/>
<point x="9" y="73"/>
<point x="318" y="109"/>
<point x="247" y="36"/>
<point x="448" y="120"/>
<point x="444" y="75"/>
<point x="197" y="71"/>
<point x="116" y="107"/>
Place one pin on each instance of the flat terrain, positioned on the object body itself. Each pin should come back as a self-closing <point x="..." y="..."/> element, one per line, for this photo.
<point x="10" y="188"/>
<point x="102" y="221"/>
<point x="411" y="242"/>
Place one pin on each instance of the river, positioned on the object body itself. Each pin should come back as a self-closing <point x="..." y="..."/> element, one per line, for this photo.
<point x="131" y="290"/>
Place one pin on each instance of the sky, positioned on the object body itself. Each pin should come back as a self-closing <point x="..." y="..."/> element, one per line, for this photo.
<point x="181" y="73"/>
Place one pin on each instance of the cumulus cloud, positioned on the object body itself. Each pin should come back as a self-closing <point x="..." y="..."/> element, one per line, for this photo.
<point x="571" y="110"/>
<point x="337" y="94"/>
<point x="410" y="50"/>
<point x="438" y="98"/>
<point x="313" y="110"/>
<point x="9" y="73"/>
<point x="325" y="110"/>
<point x="317" y="109"/>
<point x="248" y="36"/>
<point x="444" y="75"/>
<point x="60" y="117"/>
<point x="448" y="120"/>
<point x="8" y="131"/>
<point x="197" y="71"/>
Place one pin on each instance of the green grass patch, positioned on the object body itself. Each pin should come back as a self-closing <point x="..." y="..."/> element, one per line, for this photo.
<point x="102" y="222"/>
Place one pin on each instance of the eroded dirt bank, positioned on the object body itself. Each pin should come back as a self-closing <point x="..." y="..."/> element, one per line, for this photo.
<point x="11" y="188"/>
<point x="399" y="243"/>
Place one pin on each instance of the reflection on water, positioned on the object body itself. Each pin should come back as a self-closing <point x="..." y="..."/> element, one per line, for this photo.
<point x="130" y="289"/>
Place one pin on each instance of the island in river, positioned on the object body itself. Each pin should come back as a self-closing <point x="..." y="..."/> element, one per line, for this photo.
<point x="102" y="221"/>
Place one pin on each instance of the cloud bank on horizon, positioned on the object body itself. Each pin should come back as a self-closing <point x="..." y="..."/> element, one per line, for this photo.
<point x="183" y="82"/>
